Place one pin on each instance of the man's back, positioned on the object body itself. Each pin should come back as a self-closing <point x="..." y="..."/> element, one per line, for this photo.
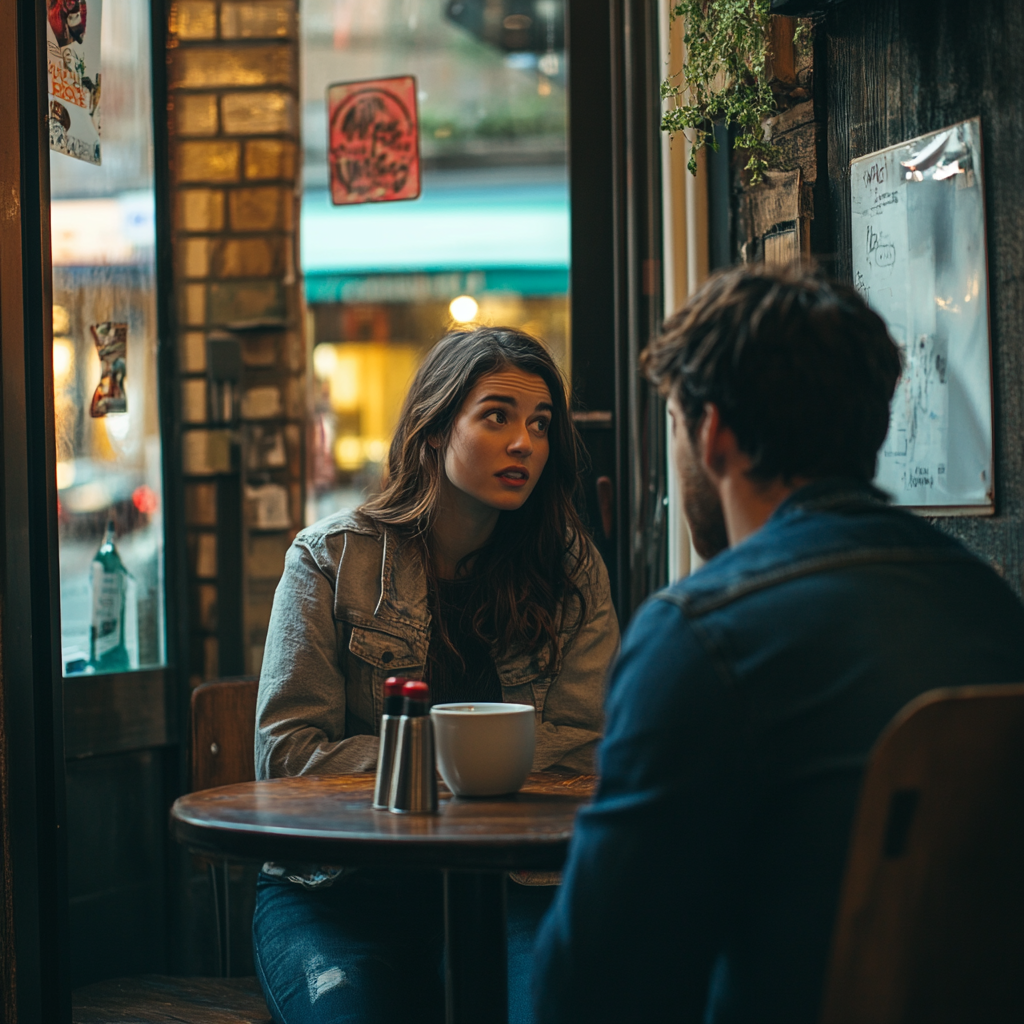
<point x="703" y="882"/>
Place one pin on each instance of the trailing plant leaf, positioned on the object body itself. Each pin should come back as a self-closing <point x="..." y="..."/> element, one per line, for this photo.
<point x="724" y="77"/>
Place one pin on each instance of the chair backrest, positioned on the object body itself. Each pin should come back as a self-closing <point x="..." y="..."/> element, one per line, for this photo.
<point x="223" y="732"/>
<point x="931" y="918"/>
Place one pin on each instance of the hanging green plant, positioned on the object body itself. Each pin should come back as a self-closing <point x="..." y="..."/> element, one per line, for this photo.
<point x="725" y="77"/>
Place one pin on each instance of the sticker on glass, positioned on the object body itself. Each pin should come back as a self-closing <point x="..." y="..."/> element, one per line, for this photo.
<point x="73" y="77"/>
<point x="111" y="344"/>
<point x="373" y="141"/>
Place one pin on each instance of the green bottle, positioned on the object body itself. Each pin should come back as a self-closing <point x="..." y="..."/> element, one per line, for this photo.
<point x="108" y="651"/>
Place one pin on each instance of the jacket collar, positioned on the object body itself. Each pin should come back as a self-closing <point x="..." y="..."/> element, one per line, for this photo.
<point x="832" y="493"/>
<point x="402" y="599"/>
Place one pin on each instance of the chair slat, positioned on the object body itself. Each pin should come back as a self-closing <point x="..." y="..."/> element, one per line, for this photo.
<point x="223" y="731"/>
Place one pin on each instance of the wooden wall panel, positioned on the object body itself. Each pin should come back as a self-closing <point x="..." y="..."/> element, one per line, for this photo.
<point x="117" y="840"/>
<point x="8" y="963"/>
<point x="900" y="68"/>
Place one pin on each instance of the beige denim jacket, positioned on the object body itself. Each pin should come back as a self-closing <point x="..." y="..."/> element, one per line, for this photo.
<point x="351" y="609"/>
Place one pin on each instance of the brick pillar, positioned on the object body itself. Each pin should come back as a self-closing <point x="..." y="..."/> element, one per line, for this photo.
<point x="233" y="110"/>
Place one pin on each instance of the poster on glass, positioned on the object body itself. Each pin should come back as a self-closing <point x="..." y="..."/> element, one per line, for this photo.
<point x="73" y="77"/>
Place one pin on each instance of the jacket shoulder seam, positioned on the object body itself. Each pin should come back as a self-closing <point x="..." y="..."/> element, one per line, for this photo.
<point x="696" y="605"/>
<point x="344" y="524"/>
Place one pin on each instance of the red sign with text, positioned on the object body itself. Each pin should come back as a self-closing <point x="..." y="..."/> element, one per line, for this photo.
<point x="373" y="144"/>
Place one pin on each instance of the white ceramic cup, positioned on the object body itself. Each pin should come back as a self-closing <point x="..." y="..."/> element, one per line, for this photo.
<point x="483" y="749"/>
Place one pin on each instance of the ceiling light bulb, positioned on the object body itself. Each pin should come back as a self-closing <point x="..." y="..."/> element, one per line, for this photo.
<point x="325" y="359"/>
<point x="464" y="309"/>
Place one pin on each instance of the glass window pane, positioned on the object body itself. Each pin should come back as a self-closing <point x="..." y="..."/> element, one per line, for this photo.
<point x="109" y="466"/>
<point x="487" y="241"/>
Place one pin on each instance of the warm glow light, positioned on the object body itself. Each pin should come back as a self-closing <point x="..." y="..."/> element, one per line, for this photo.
<point x="61" y="320"/>
<point x="65" y="475"/>
<point x="118" y="424"/>
<point x="548" y="64"/>
<point x="463" y="309"/>
<point x="325" y="359"/>
<point x="63" y="358"/>
<point x="346" y="381"/>
<point x="145" y="499"/>
<point x="375" y="449"/>
<point x="348" y="453"/>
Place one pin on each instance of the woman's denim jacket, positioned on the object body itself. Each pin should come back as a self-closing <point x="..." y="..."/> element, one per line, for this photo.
<point x="351" y="609"/>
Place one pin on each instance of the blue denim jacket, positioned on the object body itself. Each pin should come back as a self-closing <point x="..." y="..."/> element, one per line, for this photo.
<point x="702" y="883"/>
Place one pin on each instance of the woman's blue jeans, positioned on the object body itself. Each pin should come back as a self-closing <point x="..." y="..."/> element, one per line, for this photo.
<point x="370" y="948"/>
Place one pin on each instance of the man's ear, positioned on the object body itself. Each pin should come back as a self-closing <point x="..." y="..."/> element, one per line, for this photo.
<point x="719" y="450"/>
<point x="717" y="441"/>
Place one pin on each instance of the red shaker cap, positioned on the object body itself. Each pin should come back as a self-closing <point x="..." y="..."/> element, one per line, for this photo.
<point x="393" y="686"/>
<point x="416" y="691"/>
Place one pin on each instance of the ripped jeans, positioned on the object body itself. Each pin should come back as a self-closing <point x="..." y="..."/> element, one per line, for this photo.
<point x="370" y="948"/>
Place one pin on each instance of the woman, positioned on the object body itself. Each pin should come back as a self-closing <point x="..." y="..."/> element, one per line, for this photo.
<point x="472" y="570"/>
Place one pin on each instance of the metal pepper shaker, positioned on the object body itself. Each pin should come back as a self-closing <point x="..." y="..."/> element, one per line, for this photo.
<point x="393" y="704"/>
<point x="414" y="777"/>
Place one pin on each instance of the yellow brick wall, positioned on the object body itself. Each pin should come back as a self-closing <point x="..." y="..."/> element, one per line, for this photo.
<point x="234" y="122"/>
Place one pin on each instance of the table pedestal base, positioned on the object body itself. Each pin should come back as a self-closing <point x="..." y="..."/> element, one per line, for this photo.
<point x="476" y="964"/>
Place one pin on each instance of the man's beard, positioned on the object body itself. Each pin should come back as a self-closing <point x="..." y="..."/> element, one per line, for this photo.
<point x="703" y="510"/>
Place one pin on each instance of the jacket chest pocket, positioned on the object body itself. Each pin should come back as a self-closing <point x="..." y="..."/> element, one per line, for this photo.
<point x="384" y="651"/>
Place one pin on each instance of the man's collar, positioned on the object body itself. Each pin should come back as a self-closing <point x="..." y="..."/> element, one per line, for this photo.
<point x="833" y="493"/>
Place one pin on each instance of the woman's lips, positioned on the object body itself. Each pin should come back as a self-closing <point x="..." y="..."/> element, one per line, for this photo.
<point x="514" y="476"/>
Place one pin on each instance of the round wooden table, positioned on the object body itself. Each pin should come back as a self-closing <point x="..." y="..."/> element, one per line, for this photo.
<point x="330" y="820"/>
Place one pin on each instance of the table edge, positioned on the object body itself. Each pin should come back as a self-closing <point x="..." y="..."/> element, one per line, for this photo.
<point x="261" y="844"/>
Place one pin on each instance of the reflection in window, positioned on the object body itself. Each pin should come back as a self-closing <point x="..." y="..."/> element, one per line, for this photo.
<point x="487" y="242"/>
<point x="109" y="467"/>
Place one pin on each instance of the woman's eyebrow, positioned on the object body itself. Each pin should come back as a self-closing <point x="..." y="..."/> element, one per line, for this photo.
<point x="510" y="400"/>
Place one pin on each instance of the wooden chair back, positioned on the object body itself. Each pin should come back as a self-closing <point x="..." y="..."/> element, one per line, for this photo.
<point x="931" y="919"/>
<point x="223" y="731"/>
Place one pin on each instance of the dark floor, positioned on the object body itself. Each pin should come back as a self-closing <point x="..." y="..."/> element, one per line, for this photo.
<point x="159" y="999"/>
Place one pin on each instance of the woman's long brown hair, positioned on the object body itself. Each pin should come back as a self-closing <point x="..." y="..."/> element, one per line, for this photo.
<point x="535" y="559"/>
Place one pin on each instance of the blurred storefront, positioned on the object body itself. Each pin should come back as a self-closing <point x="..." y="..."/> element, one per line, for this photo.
<point x="487" y="241"/>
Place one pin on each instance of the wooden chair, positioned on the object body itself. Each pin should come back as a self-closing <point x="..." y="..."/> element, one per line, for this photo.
<point x="931" y="920"/>
<point x="223" y="726"/>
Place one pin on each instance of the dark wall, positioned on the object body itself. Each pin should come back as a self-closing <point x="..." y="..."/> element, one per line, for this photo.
<point x="900" y="68"/>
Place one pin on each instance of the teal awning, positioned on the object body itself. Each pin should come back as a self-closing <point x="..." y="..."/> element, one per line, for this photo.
<point x="513" y="238"/>
<point x="442" y="285"/>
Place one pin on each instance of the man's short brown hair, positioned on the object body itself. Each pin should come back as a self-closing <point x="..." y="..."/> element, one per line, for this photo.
<point x="801" y="370"/>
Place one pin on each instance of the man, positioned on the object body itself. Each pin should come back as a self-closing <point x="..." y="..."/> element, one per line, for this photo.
<point x="702" y="884"/>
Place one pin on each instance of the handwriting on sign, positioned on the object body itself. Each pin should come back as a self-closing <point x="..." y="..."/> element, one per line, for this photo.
<point x="918" y="248"/>
<point x="373" y="141"/>
<point x="66" y="84"/>
<point x="875" y="174"/>
<point x="884" y="199"/>
<point x="880" y="250"/>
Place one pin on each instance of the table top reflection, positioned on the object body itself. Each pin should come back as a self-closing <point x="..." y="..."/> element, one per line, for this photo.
<point x="330" y="819"/>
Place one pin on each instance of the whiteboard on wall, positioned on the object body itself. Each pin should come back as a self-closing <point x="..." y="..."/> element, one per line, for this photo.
<point x="920" y="261"/>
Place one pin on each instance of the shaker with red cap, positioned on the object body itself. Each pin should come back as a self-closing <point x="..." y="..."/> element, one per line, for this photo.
<point x="414" y="777"/>
<point x="393" y="704"/>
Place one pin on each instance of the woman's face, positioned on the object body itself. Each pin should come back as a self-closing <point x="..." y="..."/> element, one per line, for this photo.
<point x="499" y="441"/>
